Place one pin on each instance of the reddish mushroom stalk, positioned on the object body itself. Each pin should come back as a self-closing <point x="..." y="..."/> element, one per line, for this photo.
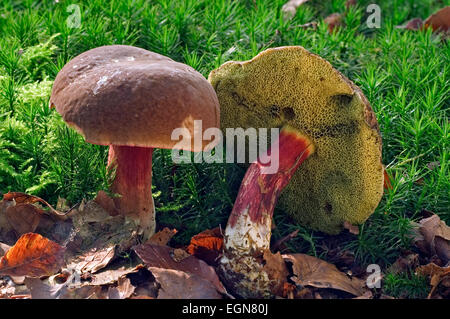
<point x="133" y="183"/>
<point x="248" y="232"/>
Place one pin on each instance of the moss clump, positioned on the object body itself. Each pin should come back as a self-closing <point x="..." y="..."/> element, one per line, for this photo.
<point x="343" y="180"/>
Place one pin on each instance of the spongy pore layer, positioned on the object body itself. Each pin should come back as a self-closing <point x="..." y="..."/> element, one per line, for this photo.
<point x="343" y="180"/>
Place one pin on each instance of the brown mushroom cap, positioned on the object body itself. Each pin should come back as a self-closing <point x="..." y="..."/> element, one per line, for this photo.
<point x="343" y="180"/>
<point x="124" y="95"/>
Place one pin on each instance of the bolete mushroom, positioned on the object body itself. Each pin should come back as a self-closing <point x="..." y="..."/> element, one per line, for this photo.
<point x="249" y="268"/>
<point x="132" y="100"/>
<point x="343" y="180"/>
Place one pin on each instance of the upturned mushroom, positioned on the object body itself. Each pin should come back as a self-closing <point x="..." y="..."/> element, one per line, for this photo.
<point x="343" y="180"/>
<point x="249" y="268"/>
<point x="132" y="99"/>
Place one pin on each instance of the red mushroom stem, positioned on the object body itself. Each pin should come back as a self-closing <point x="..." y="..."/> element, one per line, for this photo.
<point x="133" y="184"/>
<point x="249" y="228"/>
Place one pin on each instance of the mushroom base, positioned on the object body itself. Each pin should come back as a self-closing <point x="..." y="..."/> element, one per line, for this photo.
<point x="133" y="185"/>
<point x="248" y="267"/>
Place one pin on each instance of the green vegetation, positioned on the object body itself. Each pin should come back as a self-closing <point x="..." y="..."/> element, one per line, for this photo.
<point x="404" y="74"/>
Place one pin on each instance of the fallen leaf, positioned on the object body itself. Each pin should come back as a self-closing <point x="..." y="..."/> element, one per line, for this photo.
<point x="160" y="257"/>
<point x="334" y="21"/>
<point x="351" y="3"/>
<point x="162" y="237"/>
<point x="42" y="290"/>
<point x="22" y="198"/>
<point x="351" y="228"/>
<point x="176" y="284"/>
<point x="439" y="21"/>
<point x="387" y="180"/>
<point x="3" y="249"/>
<point x="433" y="237"/>
<point x="289" y="9"/>
<point x="403" y="264"/>
<point x="32" y="255"/>
<point x="123" y="290"/>
<point x="275" y="268"/>
<point x="207" y="246"/>
<point x="413" y="24"/>
<point x="23" y="218"/>
<point x="98" y="238"/>
<point x="93" y="260"/>
<point x="437" y="275"/>
<point x="314" y="272"/>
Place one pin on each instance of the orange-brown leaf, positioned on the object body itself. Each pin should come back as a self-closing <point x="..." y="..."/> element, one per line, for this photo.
<point x="440" y="21"/>
<point x="32" y="255"/>
<point x="207" y="245"/>
<point x="162" y="237"/>
<point x="387" y="180"/>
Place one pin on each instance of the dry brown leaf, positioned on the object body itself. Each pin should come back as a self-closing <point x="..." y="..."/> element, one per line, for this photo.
<point x="32" y="255"/>
<point x="162" y="237"/>
<point x="123" y="290"/>
<point x="111" y="276"/>
<point x="439" y="21"/>
<point x="161" y="257"/>
<point x="93" y="260"/>
<point x="23" y="218"/>
<point x="98" y="238"/>
<point x="176" y="284"/>
<point x="334" y="21"/>
<point x="433" y="237"/>
<point x="207" y="245"/>
<point x="277" y="271"/>
<point x="289" y="9"/>
<point x="42" y="290"/>
<point x="314" y="272"/>
<point x="403" y="264"/>
<point x="437" y="275"/>
<point x="3" y="249"/>
<point x="351" y="228"/>
<point x="351" y="3"/>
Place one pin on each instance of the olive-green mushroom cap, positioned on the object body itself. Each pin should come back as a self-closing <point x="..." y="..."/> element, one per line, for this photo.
<point x="343" y="180"/>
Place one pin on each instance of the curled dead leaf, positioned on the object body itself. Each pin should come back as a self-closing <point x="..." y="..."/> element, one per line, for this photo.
<point x="207" y="245"/>
<point x="314" y="272"/>
<point x="432" y="237"/>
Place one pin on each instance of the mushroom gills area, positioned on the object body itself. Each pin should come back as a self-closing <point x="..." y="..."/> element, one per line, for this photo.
<point x="132" y="184"/>
<point x="248" y="232"/>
